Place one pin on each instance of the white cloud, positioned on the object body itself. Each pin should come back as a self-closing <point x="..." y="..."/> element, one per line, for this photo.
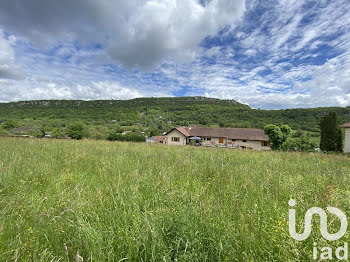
<point x="8" y="69"/>
<point x="107" y="90"/>
<point x="139" y="33"/>
<point x="42" y="88"/>
<point x="274" y="61"/>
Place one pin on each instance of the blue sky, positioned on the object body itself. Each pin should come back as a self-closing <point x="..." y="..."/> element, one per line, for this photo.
<point x="268" y="54"/>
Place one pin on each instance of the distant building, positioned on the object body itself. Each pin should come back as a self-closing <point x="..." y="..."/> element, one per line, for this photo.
<point x="246" y="138"/>
<point x="20" y="130"/>
<point x="347" y="137"/>
<point x="156" y="139"/>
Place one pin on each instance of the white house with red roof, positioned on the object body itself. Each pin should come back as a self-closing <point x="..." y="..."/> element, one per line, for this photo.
<point x="249" y="138"/>
<point x="347" y="137"/>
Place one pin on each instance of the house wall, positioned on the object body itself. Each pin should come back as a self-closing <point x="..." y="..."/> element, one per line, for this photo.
<point x="175" y="133"/>
<point x="214" y="141"/>
<point x="347" y="141"/>
<point x="255" y="145"/>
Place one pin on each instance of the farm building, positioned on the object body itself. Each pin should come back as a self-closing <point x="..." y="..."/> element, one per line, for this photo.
<point x="248" y="138"/>
<point x="347" y="137"/>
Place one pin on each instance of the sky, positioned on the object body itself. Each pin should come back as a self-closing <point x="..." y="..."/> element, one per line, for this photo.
<point x="267" y="54"/>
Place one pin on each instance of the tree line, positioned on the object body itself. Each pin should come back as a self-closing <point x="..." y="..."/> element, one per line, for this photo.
<point x="331" y="140"/>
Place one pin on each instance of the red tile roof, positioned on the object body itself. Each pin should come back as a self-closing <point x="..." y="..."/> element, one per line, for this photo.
<point x="159" y="138"/>
<point x="182" y="130"/>
<point x="230" y="133"/>
<point x="345" y="125"/>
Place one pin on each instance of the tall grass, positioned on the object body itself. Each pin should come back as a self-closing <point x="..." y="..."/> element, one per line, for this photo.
<point x="63" y="200"/>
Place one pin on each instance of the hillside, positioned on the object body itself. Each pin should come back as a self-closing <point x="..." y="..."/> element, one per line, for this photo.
<point x="156" y="115"/>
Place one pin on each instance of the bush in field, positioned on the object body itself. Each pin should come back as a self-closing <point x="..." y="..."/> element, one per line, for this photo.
<point x="331" y="136"/>
<point x="36" y="133"/>
<point x="114" y="136"/>
<point x="302" y="143"/>
<point x="76" y="131"/>
<point x="57" y="133"/>
<point x="277" y="135"/>
<point x="10" y="124"/>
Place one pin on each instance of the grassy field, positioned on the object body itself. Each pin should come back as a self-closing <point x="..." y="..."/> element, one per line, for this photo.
<point x="109" y="201"/>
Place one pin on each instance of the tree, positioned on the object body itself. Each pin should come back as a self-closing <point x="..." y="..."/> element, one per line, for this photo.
<point x="331" y="135"/>
<point x="277" y="135"/>
<point x="10" y="124"/>
<point x="76" y="131"/>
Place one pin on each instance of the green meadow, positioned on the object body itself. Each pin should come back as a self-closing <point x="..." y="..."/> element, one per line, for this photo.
<point x="65" y="200"/>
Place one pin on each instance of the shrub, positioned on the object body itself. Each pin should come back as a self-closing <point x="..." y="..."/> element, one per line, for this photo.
<point x="128" y="137"/>
<point x="302" y="143"/>
<point x="36" y="133"/>
<point x="57" y="133"/>
<point x="114" y="136"/>
<point x="76" y="131"/>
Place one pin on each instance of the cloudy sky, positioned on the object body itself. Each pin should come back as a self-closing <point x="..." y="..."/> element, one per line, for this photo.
<point x="268" y="54"/>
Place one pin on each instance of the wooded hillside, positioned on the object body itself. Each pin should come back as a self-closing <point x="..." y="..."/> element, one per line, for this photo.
<point x="156" y="115"/>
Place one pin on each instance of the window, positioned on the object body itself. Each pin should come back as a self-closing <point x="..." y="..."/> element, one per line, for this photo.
<point x="221" y="140"/>
<point x="175" y="139"/>
<point x="233" y="140"/>
<point x="263" y="143"/>
<point x="244" y="141"/>
<point x="208" y="139"/>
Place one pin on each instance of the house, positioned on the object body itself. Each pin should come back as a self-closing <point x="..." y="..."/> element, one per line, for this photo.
<point x="347" y="137"/>
<point x="156" y="139"/>
<point x="20" y="130"/>
<point x="249" y="138"/>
